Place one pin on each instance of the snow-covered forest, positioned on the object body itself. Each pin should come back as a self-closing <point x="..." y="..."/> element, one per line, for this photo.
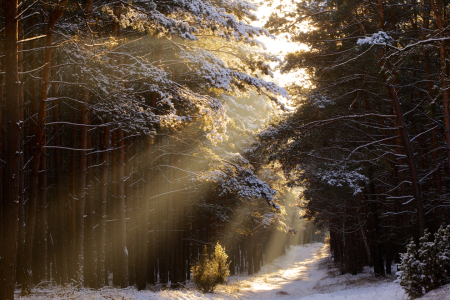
<point x="135" y="134"/>
<point x="124" y="138"/>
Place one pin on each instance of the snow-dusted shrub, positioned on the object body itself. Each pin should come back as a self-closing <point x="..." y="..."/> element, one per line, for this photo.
<point x="211" y="270"/>
<point x="428" y="267"/>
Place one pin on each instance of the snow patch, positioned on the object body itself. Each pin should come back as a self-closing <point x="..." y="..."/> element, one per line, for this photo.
<point x="380" y="37"/>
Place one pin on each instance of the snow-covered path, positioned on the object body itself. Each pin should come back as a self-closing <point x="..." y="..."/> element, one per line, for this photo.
<point x="292" y="275"/>
<point x="295" y="275"/>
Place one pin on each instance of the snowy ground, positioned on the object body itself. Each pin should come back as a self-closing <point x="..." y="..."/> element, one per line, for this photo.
<point x="300" y="274"/>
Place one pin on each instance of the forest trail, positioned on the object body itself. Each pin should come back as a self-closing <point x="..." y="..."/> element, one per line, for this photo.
<point x="303" y="273"/>
<point x="299" y="274"/>
<point x="292" y="275"/>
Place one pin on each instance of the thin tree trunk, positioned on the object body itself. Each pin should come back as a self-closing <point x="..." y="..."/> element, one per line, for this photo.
<point x="42" y="196"/>
<point x="131" y="212"/>
<point x="149" y="223"/>
<point x="90" y="272"/>
<point x="81" y="201"/>
<point x="114" y="214"/>
<point x="102" y="276"/>
<point x="144" y="242"/>
<point x="89" y="269"/>
<point x="74" y="196"/>
<point x="122" y="233"/>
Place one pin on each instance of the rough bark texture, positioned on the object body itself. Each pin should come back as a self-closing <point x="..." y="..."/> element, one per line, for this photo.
<point x="81" y="200"/>
<point x="122" y="226"/>
<point x="102" y="276"/>
<point x="90" y="272"/>
<point x="8" y="251"/>
<point x="61" y="258"/>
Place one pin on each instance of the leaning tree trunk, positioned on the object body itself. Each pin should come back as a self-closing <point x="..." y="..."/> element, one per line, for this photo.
<point x="393" y="95"/>
<point x="443" y="58"/>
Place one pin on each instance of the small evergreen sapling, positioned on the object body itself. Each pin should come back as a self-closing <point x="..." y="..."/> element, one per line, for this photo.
<point x="222" y="265"/>
<point x="428" y="267"/>
<point x="409" y="272"/>
<point x="211" y="270"/>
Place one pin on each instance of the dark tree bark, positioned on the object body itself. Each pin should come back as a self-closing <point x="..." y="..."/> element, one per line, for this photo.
<point x="131" y="210"/>
<point x="149" y="218"/>
<point x="81" y="200"/>
<point x="8" y="251"/>
<point x="38" y="144"/>
<point x="2" y="81"/>
<point x="393" y="95"/>
<point x="102" y="276"/>
<point x="114" y="214"/>
<point x="122" y="259"/>
<point x="40" y="271"/>
<point x="90" y="272"/>
<point x="443" y="54"/>
<point x="22" y="223"/>
<point x="144" y="259"/>
<point x="61" y="258"/>
<point x="72" y="264"/>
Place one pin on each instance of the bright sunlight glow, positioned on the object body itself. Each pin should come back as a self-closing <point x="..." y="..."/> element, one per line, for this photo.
<point x="281" y="45"/>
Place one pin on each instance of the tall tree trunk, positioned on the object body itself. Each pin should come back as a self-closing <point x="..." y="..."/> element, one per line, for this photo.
<point x="131" y="211"/>
<point x="9" y="243"/>
<point x="74" y="195"/>
<point x="40" y="254"/>
<point x="443" y="72"/>
<point x="89" y="269"/>
<point x="38" y="143"/>
<point x="149" y="219"/>
<point x="39" y="266"/>
<point x="122" y="233"/>
<point x="114" y="213"/>
<point x="81" y="200"/>
<point x="393" y="95"/>
<point x="2" y="81"/>
<point x="61" y="258"/>
<point x="90" y="272"/>
<point x="22" y="223"/>
<point x="376" y="246"/>
<point x="144" y="242"/>
<point x="102" y="276"/>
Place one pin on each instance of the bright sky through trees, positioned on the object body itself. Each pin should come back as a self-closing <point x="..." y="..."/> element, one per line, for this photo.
<point x="281" y="45"/>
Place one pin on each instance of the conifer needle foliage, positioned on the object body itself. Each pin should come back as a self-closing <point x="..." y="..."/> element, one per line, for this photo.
<point x="211" y="270"/>
<point x="426" y="267"/>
